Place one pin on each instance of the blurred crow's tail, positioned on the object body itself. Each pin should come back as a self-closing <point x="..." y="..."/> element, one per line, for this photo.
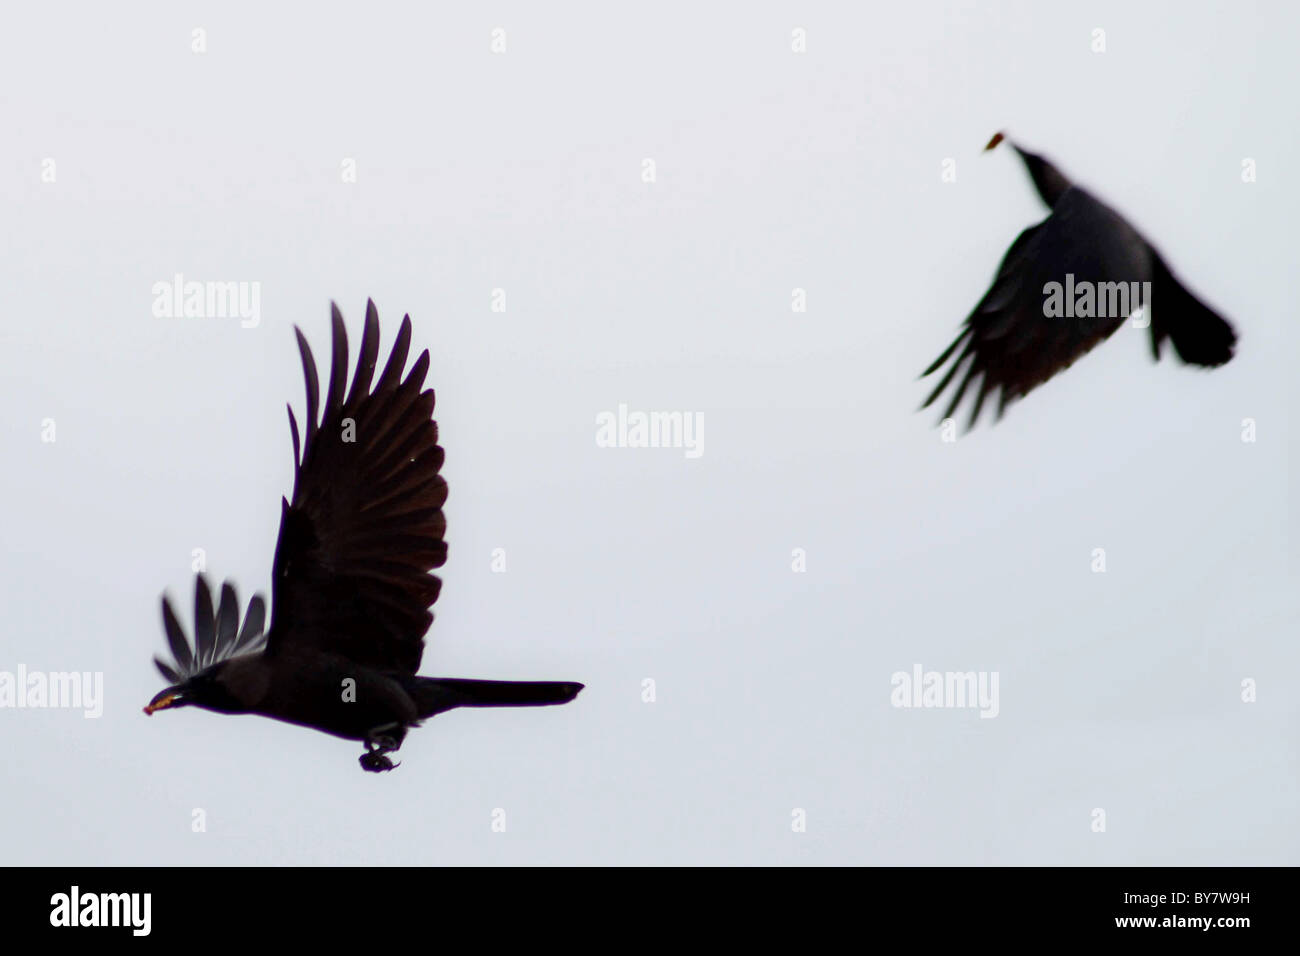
<point x="433" y="695"/>
<point x="1200" y="335"/>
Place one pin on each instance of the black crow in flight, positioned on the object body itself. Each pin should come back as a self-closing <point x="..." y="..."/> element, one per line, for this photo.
<point x="1063" y="286"/>
<point x="351" y="588"/>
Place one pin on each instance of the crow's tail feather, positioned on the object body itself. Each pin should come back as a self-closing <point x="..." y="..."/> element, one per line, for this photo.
<point x="433" y="695"/>
<point x="1200" y="335"/>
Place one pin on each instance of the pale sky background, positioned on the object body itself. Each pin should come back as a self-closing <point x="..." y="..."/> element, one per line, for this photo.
<point x="775" y="171"/>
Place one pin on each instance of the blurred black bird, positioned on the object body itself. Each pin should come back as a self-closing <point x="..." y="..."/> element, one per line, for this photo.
<point x="1024" y="330"/>
<point x="351" y="588"/>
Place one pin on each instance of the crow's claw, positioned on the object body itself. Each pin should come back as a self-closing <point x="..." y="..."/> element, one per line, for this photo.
<point x="375" y="762"/>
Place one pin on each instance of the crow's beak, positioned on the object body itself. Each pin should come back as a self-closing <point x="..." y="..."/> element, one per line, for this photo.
<point x="171" y="697"/>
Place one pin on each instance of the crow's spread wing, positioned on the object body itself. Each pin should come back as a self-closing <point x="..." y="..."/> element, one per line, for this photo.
<point x="365" y="526"/>
<point x="217" y="634"/>
<point x="1009" y="344"/>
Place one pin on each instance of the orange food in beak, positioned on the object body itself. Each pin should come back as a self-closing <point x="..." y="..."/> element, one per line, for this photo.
<point x="160" y="704"/>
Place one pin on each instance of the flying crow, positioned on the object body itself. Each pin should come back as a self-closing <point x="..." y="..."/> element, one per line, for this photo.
<point x="1063" y="286"/>
<point x="351" y="588"/>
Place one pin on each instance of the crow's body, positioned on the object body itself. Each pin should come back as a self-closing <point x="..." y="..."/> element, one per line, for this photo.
<point x="306" y="689"/>
<point x="351" y="582"/>
<point x="1010" y="346"/>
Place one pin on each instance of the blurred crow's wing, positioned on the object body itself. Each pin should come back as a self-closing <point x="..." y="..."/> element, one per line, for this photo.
<point x="1009" y="344"/>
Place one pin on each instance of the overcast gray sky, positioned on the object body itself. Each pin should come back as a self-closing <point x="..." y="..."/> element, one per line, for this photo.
<point x="524" y="171"/>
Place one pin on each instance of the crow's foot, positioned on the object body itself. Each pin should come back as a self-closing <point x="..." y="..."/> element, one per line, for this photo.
<point x="375" y="761"/>
<point x="378" y="745"/>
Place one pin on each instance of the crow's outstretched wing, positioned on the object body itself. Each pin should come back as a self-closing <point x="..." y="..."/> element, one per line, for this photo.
<point x="217" y="634"/>
<point x="365" y="526"/>
<point x="1009" y="345"/>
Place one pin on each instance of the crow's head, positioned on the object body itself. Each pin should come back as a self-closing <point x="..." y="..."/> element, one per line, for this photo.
<point x="205" y="689"/>
<point x="1050" y="182"/>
